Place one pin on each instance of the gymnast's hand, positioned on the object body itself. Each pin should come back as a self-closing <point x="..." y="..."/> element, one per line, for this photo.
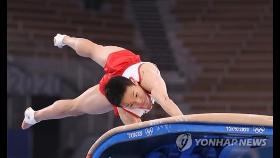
<point x="29" y="119"/>
<point x="58" y="40"/>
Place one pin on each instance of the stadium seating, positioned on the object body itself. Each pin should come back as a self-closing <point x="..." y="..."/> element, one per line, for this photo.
<point x="33" y="24"/>
<point x="232" y="42"/>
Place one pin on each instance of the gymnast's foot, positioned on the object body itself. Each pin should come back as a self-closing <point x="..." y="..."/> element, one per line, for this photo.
<point x="25" y="125"/>
<point x="29" y="119"/>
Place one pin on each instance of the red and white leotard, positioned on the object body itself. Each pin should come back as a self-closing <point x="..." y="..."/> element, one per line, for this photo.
<point x="134" y="72"/>
<point x="127" y="64"/>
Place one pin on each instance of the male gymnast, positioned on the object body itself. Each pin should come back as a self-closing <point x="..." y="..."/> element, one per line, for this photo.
<point x="129" y="86"/>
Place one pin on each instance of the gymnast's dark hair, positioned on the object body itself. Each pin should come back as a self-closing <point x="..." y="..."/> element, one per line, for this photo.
<point x="115" y="89"/>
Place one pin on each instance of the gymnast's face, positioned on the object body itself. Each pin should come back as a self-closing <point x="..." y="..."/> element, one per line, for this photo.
<point x="136" y="97"/>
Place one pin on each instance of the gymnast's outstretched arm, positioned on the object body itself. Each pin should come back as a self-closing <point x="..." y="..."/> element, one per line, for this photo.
<point x="90" y="102"/>
<point x="152" y="81"/>
<point x="86" y="48"/>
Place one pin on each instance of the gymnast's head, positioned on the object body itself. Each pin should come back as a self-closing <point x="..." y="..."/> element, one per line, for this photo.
<point x="123" y="92"/>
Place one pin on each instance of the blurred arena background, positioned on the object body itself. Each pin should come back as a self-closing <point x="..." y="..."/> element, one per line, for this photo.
<point x="215" y="55"/>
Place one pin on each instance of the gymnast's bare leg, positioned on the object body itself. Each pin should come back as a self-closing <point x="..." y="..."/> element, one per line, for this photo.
<point x="89" y="102"/>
